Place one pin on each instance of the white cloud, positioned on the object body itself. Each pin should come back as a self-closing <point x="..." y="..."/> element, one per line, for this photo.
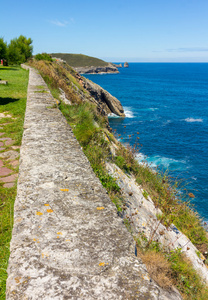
<point x="190" y="49"/>
<point x="59" y="23"/>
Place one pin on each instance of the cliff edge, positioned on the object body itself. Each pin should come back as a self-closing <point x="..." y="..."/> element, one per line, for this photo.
<point x="67" y="240"/>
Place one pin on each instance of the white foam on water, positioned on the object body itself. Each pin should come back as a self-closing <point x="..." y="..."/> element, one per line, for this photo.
<point x="161" y="161"/>
<point x="153" y="108"/>
<point x="166" y="162"/>
<point x="166" y="122"/>
<point x="141" y="158"/>
<point x="128" y="112"/>
<point x="112" y="115"/>
<point x="190" y="120"/>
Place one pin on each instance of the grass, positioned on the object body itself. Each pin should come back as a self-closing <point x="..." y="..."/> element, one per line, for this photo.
<point x="13" y="102"/>
<point x="80" y="60"/>
<point x="163" y="190"/>
<point x="173" y="269"/>
<point x="56" y="76"/>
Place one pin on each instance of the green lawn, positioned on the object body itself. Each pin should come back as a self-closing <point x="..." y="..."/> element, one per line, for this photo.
<point x="12" y="102"/>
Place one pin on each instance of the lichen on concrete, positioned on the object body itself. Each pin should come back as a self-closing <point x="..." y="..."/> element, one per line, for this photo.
<point x="67" y="240"/>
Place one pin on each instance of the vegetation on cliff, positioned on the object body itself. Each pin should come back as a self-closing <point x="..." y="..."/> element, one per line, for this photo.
<point x="99" y="144"/>
<point x="80" y="60"/>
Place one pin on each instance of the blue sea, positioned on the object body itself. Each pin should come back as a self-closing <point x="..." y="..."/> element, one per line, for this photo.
<point x="167" y="103"/>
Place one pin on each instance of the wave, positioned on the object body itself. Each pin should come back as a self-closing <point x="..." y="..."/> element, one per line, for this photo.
<point x="153" y="108"/>
<point x="128" y="112"/>
<point x="112" y="115"/>
<point x="166" y="122"/>
<point x="142" y="159"/>
<point x="190" y="120"/>
<point x="162" y="162"/>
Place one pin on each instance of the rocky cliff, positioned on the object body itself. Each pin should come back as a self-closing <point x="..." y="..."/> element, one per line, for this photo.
<point x="103" y="98"/>
<point x="76" y="88"/>
<point x="95" y="70"/>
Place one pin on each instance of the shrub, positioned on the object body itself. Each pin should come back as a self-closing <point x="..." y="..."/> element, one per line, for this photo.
<point x="43" y="56"/>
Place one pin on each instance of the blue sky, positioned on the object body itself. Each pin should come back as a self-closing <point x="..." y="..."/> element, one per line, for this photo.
<point x="116" y="30"/>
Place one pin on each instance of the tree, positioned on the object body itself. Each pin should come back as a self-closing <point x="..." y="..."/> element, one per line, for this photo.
<point x="3" y="49"/>
<point x="19" y="50"/>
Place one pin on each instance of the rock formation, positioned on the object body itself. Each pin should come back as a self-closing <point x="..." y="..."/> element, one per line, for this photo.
<point x="126" y="65"/>
<point x="95" y="70"/>
<point x="101" y="97"/>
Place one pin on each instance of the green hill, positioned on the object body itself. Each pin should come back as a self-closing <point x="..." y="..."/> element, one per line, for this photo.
<point x="80" y="60"/>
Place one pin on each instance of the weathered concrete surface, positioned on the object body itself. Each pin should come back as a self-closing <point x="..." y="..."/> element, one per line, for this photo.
<point x="67" y="242"/>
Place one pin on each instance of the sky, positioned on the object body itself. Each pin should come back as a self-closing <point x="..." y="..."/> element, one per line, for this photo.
<point x="113" y="30"/>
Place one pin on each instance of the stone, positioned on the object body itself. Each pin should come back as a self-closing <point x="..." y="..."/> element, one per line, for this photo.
<point x="95" y="70"/>
<point x="2" y="148"/>
<point x="1" y="144"/>
<point x="5" y="82"/>
<point x="9" y="155"/>
<point x="2" y="133"/>
<point x="10" y="178"/>
<point x="9" y="142"/>
<point x="3" y="115"/>
<point x="5" y="171"/>
<point x="104" y="99"/>
<point x="9" y="185"/>
<point x="1" y="163"/>
<point x="126" y="65"/>
<point x="14" y="163"/>
<point x="5" y="139"/>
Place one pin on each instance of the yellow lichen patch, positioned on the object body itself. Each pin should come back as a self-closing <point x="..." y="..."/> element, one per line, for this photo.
<point x="102" y="264"/>
<point x="17" y="279"/>
<point x="60" y="233"/>
<point x="64" y="190"/>
<point x="42" y="255"/>
<point x="18" y="219"/>
<point x="58" y="237"/>
<point x="100" y="208"/>
<point x="39" y="213"/>
<point x="36" y="240"/>
<point x="46" y="204"/>
<point x="67" y="240"/>
<point x="49" y="210"/>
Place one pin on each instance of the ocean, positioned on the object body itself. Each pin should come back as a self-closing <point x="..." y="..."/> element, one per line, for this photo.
<point x="167" y="103"/>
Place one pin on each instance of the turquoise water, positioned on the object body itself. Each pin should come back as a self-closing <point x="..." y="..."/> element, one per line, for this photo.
<point x="167" y="103"/>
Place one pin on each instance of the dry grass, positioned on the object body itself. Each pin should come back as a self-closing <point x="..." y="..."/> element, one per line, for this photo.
<point x="58" y="77"/>
<point x="158" y="267"/>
